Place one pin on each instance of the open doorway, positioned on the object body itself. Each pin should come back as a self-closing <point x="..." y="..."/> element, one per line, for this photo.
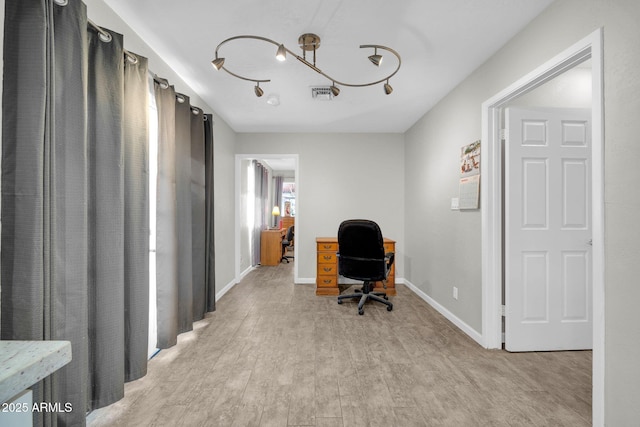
<point x="280" y="168"/>
<point x="546" y="151"/>
<point x="493" y="201"/>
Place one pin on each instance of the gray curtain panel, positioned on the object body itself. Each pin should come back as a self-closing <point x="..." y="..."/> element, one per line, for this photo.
<point x="264" y="199"/>
<point x="106" y="219"/>
<point x="183" y="197"/>
<point x="210" y="250"/>
<point x="198" y="213"/>
<point x="277" y="195"/>
<point x="258" y="214"/>
<point x="44" y="191"/>
<point x="183" y="241"/>
<point x="166" y="217"/>
<point x="63" y="203"/>
<point x="136" y="216"/>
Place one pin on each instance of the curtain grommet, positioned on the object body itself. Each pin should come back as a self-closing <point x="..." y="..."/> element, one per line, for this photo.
<point x="61" y="2"/>
<point x="105" y="37"/>
<point x="133" y="59"/>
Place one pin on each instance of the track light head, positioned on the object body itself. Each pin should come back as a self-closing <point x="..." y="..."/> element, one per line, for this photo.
<point x="376" y="59"/>
<point x="281" y="54"/>
<point x="387" y="88"/>
<point x="335" y="90"/>
<point x="217" y="63"/>
<point x="258" y="90"/>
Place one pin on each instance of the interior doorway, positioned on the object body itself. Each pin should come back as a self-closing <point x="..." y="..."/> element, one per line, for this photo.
<point x="493" y="201"/>
<point x="547" y="226"/>
<point x="281" y="164"/>
<point x="546" y="146"/>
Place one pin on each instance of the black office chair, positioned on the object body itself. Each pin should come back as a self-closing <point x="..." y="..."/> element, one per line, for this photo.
<point x="361" y="257"/>
<point x="287" y="243"/>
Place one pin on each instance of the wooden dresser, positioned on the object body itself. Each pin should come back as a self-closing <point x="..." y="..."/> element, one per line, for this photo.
<point x="327" y="267"/>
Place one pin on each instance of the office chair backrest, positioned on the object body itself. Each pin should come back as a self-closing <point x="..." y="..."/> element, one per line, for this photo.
<point x="290" y="233"/>
<point x="361" y="250"/>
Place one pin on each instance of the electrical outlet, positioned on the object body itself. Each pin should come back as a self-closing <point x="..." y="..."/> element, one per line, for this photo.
<point x="455" y="293"/>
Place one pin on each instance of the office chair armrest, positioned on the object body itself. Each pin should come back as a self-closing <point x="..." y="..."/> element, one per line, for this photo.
<point x="389" y="257"/>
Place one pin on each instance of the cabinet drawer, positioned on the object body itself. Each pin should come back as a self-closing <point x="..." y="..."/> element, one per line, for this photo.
<point x="327" y="281"/>
<point x="327" y="269"/>
<point x="326" y="258"/>
<point x="329" y="247"/>
<point x="389" y="247"/>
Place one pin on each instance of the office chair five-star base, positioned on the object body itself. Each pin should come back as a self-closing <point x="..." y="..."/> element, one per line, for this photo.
<point x="366" y="293"/>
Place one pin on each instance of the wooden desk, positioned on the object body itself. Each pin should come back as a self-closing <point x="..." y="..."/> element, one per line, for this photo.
<point x="271" y="247"/>
<point x="327" y="267"/>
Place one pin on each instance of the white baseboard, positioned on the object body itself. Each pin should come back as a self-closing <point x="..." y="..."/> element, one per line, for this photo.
<point x="475" y="335"/>
<point x="224" y="290"/>
<point x="305" y="281"/>
<point x="232" y="283"/>
<point x="244" y="273"/>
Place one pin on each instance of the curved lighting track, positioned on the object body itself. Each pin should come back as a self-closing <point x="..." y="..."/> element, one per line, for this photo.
<point x="309" y="42"/>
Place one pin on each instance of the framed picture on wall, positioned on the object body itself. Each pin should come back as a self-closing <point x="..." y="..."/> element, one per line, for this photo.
<point x="470" y="159"/>
<point x="469" y="188"/>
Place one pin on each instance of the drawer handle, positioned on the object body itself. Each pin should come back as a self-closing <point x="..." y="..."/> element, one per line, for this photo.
<point x="327" y="257"/>
<point x="327" y="269"/>
<point x="327" y="246"/>
<point x="327" y="281"/>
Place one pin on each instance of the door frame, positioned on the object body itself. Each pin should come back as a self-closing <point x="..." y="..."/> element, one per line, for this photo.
<point x="238" y="222"/>
<point x="491" y="201"/>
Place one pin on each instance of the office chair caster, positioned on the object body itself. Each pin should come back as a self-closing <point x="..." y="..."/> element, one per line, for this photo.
<point x="360" y="312"/>
<point x="389" y="307"/>
<point x="339" y="301"/>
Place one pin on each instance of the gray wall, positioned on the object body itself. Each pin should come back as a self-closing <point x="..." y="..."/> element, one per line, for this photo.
<point x="571" y="89"/>
<point x="224" y="142"/>
<point x="443" y="247"/>
<point x="341" y="176"/>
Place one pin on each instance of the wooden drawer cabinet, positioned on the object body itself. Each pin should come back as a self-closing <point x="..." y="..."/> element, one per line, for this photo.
<point x="327" y="267"/>
<point x="327" y="258"/>
<point x="288" y="221"/>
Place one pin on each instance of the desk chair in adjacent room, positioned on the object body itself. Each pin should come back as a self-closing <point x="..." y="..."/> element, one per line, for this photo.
<point x="287" y="243"/>
<point x="361" y="257"/>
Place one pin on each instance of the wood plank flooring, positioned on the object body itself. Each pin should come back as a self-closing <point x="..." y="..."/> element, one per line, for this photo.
<point x="274" y="354"/>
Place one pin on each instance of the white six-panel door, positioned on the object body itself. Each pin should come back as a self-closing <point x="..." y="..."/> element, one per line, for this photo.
<point x="548" y="277"/>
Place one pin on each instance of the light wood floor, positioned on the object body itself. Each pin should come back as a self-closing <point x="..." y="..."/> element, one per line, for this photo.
<point x="274" y="354"/>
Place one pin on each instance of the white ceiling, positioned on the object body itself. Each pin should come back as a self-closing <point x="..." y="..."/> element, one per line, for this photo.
<point x="440" y="42"/>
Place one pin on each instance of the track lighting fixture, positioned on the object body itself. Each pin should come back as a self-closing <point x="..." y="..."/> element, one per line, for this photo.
<point x="217" y="63"/>
<point x="387" y="88"/>
<point x="309" y="43"/>
<point x="258" y="90"/>
<point x="281" y="54"/>
<point x="375" y="58"/>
